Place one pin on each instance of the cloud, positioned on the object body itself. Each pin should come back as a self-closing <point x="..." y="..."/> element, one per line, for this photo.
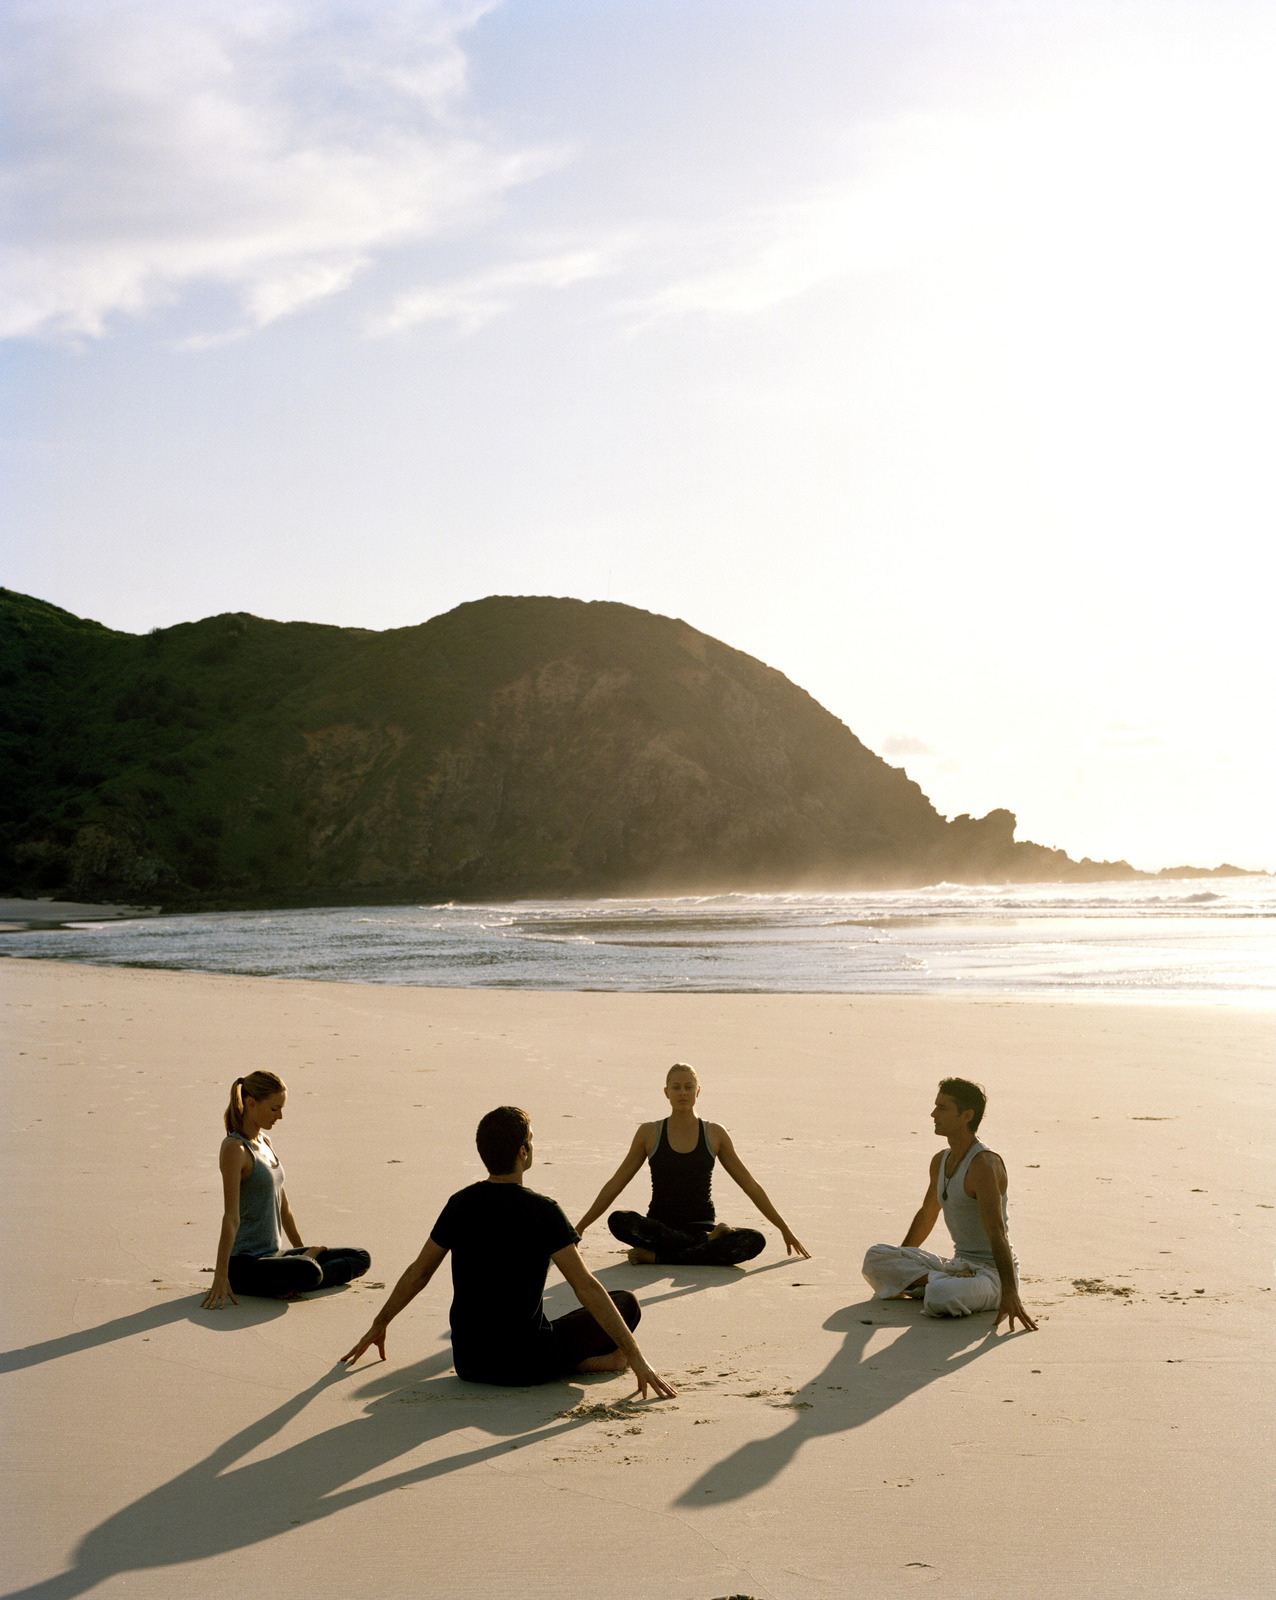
<point x="276" y="149"/>
<point x="1100" y="193"/>
<point x="271" y="148"/>
<point x="900" y="206"/>
<point x="905" y="745"/>
<point x="472" y="301"/>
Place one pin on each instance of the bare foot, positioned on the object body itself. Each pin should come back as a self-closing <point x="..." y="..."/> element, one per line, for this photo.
<point x="638" y="1257"/>
<point x="717" y="1233"/>
<point x="617" y="1361"/>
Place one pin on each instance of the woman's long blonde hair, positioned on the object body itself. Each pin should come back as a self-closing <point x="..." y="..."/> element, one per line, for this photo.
<point x="256" y="1086"/>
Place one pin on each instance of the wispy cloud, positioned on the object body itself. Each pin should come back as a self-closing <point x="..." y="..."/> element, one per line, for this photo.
<point x="1086" y="192"/>
<point x="897" y="207"/>
<point x="272" y="148"/>
<point x="471" y="301"/>
<point x="276" y="149"/>
<point x="905" y="745"/>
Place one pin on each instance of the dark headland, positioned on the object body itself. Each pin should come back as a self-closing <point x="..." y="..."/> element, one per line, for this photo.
<point x="512" y="747"/>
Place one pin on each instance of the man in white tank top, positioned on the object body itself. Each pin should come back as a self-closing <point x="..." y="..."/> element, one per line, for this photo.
<point x="968" y="1184"/>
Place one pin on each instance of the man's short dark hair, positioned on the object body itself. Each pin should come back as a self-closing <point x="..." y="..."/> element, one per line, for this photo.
<point x="501" y="1135"/>
<point x="966" y="1096"/>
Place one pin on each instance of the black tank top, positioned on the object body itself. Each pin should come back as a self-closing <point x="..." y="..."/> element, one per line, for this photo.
<point x="680" y="1183"/>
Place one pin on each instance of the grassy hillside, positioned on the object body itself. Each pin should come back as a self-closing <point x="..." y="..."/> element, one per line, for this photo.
<point x="512" y="746"/>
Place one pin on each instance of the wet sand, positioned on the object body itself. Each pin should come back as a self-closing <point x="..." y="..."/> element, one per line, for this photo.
<point x="821" y="1444"/>
<point x="17" y="915"/>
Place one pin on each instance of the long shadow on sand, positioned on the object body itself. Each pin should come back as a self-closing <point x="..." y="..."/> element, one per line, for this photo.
<point x="682" y="1281"/>
<point x="251" y="1312"/>
<point x="852" y="1389"/>
<point x="221" y="1504"/>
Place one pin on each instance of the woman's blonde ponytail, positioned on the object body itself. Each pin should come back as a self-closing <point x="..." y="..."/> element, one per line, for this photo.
<point x="256" y="1086"/>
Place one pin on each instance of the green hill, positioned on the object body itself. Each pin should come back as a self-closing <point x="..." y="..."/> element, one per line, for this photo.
<point x="513" y="746"/>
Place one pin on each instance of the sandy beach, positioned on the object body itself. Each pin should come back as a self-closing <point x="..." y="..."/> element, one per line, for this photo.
<point x="821" y="1444"/>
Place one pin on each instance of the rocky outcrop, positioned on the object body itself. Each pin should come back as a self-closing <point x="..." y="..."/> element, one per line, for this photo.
<point x="96" y="863"/>
<point x="513" y="746"/>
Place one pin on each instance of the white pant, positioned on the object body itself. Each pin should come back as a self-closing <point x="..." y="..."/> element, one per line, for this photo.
<point x="954" y="1288"/>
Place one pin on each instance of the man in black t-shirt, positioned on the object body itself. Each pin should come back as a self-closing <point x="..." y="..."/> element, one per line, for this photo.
<point x="502" y="1237"/>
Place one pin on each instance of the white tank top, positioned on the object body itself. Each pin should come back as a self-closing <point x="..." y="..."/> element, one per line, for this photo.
<point x="961" y="1213"/>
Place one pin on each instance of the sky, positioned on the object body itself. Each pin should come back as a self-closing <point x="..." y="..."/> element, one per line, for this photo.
<point x="921" y="348"/>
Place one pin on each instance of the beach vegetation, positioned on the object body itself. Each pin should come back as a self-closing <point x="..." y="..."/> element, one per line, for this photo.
<point x="512" y="746"/>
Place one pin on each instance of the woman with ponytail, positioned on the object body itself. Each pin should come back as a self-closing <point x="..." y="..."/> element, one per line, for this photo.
<point x="251" y="1258"/>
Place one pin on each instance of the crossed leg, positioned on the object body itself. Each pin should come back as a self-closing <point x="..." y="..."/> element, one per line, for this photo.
<point x="953" y="1288"/>
<point x="585" y="1346"/>
<point x="653" y="1241"/>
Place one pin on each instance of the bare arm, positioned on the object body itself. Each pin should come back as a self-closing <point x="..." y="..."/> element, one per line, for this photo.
<point x="234" y="1162"/>
<point x="413" y="1280"/>
<point x="293" y="1231"/>
<point x="731" y="1161"/>
<point x="919" y="1229"/>
<point x="985" y="1174"/>
<point x="601" y="1307"/>
<point x="289" y="1222"/>
<point x="623" y="1175"/>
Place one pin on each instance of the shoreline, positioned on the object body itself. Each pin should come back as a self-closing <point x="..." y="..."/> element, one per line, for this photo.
<point x="347" y="900"/>
<point x="968" y="994"/>
<point x="1185" y="946"/>
<point x="19" y="915"/>
<point x="822" y="1445"/>
<point x="1209" y="1000"/>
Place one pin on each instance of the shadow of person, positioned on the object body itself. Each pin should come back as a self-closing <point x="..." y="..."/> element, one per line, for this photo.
<point x="249" y="1313"/>
<point x="226" y="1503"/>
<point x="683" y="1278"/>
<point x="852" y="1389"/>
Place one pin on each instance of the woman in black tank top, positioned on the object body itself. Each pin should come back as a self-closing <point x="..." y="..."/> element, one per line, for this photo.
<point x="681" y="1225"/>
<point x="681" y="1181"/>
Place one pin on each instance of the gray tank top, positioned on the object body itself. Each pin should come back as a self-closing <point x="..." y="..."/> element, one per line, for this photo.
<point x="961" y="1213"/>
<point x="260" y="1229"/>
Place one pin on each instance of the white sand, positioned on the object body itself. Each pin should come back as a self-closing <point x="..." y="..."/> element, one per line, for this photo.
<point x="821" y="1445"/>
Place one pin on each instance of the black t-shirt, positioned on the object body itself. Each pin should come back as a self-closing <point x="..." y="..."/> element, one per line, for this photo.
<point x="501" y="1236"/>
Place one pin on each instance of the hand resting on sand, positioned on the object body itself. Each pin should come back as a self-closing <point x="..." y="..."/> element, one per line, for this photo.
<point x="1011" y="1307"/>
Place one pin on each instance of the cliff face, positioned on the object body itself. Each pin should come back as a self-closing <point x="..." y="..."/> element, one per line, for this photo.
<point x="510" y="747"/>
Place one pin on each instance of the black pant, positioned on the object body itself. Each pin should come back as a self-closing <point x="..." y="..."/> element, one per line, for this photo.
<point x="574" y="1338"/>
<point x="686" y="1246"/>
<point x="578" y="1336"/>
<point x="570" y="1341"/>
<point x="293" y="1272"/>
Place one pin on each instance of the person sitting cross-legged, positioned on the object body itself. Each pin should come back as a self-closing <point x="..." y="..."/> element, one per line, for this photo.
<point x="968" y="1184"/>
<point x="681" y="1226"/>
<point x="502" y="1237"/>
<point x="256" y="1217"/>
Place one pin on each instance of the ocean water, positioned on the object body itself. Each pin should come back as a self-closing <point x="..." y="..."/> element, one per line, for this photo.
<point x="1191" y="939"/>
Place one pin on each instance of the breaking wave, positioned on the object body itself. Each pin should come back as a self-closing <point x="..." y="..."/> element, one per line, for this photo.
<point x="1139" y="940"/>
